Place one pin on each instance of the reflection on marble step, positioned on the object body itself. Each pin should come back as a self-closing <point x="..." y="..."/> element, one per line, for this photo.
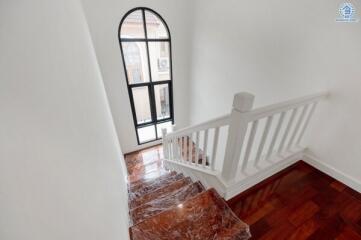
<point x="136" y="179"/>
<point x="135" y="186"/>
<point x="205" y="216"/>
<point x="156" y="184"/>
<point x="159" y="192"/>
<point x="145" y="156"/>
<point x="136" y="164"/>
<point x="161" y="204"/>
<point x="142" y="169"/>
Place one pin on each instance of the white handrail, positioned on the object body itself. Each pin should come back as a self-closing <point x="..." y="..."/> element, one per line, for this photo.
<point x="216" y="122"/>
<point x="284" y="106"/>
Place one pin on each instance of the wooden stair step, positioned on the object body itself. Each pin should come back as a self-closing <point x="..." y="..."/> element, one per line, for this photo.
<point x="161" y="204"/>
<point x="205" y="216"/>
<point x="156" y="184"/>
<point x="160" y="192"/>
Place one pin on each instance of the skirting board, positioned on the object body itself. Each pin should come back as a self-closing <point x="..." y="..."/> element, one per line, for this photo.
<point x="333" y="172"/>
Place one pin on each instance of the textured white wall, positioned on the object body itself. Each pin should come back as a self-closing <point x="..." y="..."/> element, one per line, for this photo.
<point x="279" y="50"/>
<point x="103" y="18"/>
<point x="60" y="163"/>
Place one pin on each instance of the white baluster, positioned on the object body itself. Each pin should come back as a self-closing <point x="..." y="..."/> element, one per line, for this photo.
<point x="171" y="149"/>
<point x="249" y="144"/>
<point x="184" y="147"/>
<point x="275" y="135"/>
<point x="263" y="139"/>
<point x="196" y="158"/>
<point x="190" y="148"/>
<point x="285" y="135"/>
<point x="297" y="127"/>
<point x="178" y="147"/>
<point x="205" y="143"/>
<point x="306" y="123"/>
<point x="165" y="144"/>
<point x="215" y="146"/>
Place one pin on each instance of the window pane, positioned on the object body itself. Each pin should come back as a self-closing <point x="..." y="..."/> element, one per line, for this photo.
<point x="132" y="26"/>
<point x="146" y="134"/>
<point x="159" y="60"/>
<point x="155" y="26"/>
<point x="136" y="62"/>
<point x="141" y="104"/>
<point x="160" y="126"/>
<point x="161" y="93"/>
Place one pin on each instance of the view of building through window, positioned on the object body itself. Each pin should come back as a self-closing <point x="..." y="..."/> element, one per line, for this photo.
<point x="146" y="51"/>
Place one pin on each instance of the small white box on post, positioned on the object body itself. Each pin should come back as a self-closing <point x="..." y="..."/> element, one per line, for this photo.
<point x="242" y="103"/>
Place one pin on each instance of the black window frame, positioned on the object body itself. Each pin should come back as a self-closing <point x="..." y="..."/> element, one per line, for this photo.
<point x="150" y="85"/>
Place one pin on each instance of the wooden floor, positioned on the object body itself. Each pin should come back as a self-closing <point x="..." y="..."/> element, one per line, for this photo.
<point x="300" y="203"/>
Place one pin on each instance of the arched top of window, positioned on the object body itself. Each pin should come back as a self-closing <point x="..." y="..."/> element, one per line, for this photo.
<point x="143" y="23"/>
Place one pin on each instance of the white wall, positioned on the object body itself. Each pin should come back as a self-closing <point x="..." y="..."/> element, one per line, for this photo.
<point x="279" y="50"/>
<point x="60" y="163"/>
<point x="104" y="18"/>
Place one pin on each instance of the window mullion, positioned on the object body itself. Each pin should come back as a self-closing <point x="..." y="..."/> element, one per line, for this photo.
<point x="150" y="88"/>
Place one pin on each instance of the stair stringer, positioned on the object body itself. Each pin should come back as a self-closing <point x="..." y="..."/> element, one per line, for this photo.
<point x="208" y="178"/>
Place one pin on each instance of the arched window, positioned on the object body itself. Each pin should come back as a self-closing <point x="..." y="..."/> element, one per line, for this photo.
<point x="146" y="52"/>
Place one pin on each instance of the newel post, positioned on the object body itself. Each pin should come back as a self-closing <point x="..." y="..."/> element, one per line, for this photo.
<point x="242" y="103"/>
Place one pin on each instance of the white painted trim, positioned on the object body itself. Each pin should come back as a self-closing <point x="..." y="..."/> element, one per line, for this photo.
<point x="333" y="172"/>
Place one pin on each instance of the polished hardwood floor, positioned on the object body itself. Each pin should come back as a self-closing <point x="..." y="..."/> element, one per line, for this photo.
<point x="300" y="203"/>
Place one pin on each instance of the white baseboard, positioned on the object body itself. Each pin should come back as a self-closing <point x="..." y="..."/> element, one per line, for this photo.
<point x="333" y="172"/>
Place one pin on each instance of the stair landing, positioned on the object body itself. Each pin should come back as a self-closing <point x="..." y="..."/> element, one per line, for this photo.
<point x="168" y="205"/>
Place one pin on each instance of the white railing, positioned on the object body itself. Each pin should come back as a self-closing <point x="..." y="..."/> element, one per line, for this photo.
<point x="251" y="139"/>
<point x="196" y="145"/>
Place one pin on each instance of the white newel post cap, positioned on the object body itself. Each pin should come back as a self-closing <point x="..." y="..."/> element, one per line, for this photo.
<point x="243" y="101"/>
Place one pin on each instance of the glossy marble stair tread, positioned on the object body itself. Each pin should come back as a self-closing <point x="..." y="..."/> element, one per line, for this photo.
<point x="138" y="179"/>
<point x="143" y="169"/>
<point x="135" y="164"/>
<point x="156" y="184"/>
<point x="161" y="204"/>
<point x="159" y="192"/>
<point x="205" y="216"/>
<point x="136" y="185"/>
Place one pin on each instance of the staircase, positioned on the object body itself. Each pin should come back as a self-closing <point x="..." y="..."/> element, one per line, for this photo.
<point x="168" y="205"/>
<point x="178" y="191"/>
